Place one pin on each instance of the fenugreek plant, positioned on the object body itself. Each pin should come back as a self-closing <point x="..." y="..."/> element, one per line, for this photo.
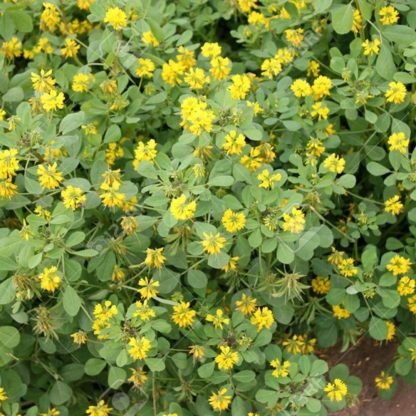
<point x="197" y="198"/>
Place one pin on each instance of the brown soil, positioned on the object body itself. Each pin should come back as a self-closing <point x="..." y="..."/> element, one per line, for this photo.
<point x="366" y="360"/>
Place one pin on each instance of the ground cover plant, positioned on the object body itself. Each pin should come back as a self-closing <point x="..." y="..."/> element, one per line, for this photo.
<point x="197" y="198"/>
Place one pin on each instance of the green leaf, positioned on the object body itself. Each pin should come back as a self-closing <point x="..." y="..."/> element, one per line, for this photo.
<point x="285" y="254"/>
<point x="155" y="364"/>
<point x="400" y="34"/>
<point x="206" y="370"/>
<point x="385" y="66"/>
<point x="378" y="329"/>
<point x="116" y="377"/>
<point x="7" y="291"/>
<point x="245" y="376"/>
<point x="376" y="169"/>
<point x="223" y="180"/>
<point x="342" y="19"/>
<point x="94" y="366"/>
<point x="197" y="279"/>
<point x="71" y="122"/>
<point x="60" y="393"/>
<point x="71" y="301"/>
<point x="9" y="336"/>
<point x="319" y="367"/>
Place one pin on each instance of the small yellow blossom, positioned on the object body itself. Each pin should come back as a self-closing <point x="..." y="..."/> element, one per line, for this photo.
<point x="393" y="205"/>
<point x="336" y="391"/>
<point x="183" y="315"/>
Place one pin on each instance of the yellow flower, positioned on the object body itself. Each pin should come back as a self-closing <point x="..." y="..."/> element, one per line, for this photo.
<point x="398" y="265"/>
<point x="294" y="345"/>
<point x="7" y="189"/>
<point x="227" y="359"/>
<point x="197" y="352"/>
<point x="336" y="391"/>
<point x="388" y="15"/>
<point x="3" y="395"/>
<point x="196" y="117"/>
<point x="210" y="50"/>
<point x="234" y="143"/>
<point x="139" y="348"/>
<point x="281" y="368"/>
<point x="391" y="331"/>
<point x="320" y="111"/>
<point x="383" y="381"/>
<point x="73" y="197"/>
<point x="371" y="47"/>
<point x="43" y="82"/>
<point x="9" y="164"/>
<point x="82" y="82"/>
<point x="49" y="18"/>
<point x="301" y="88"/>
<point x="241" y="84"/>
<point x="12" y="48"/>
<point x="110" y="196"/>
<point x="220" y="67"/>
<point x="52" y="100"/>
<point x="294" y="222"/>
<point x="246" y="305"/>
<point x="393" y="205"/>
<point x="396" y="93"/>
<point x="49" y="176"/>
<point x="246" y="5"/>
<point x="49" y="279"/>
<point x="340" y="313"/>
<point x="213" y="243"/>
<point x="398" y="141"/>
<point x="155" y="257"/>
<point x="148" y="38"/>
<point x="145" y="151"/>
<point x="262" y="318"/>
<point x="143" y="311"/>
<point x="71" y="48"/>
<point x="182" y="209"/>
<point x="357" y="22"/>
<point x="116" y="18"/>
<point x="103" y="313"/>
<point x="334" y="163"/>
<point x="84" y="4"/>
<point x="172" y="72"/>
<point x="138" y="377"/>
<point x="313" y="69"/>
<point x="256" y="18"/>
<point x="294" y="36"/>
<point x="148" y="287"/>
<point x="182" y="315"/>
<point x="411" y="302"/>
<point x="79" y="337"/>
<point x="271" y="67"/>
<point x="321" y="285"/>
<point x="218" y="320"/>
<point x="267" y="180"/>
<point x="406" y="286"/>
<point x="186" y="58"/>
<point x="118" y="274"/>
<point x="196" y="78"/>
<point x="101" y="409"/>
<point x="52" y="411"/>
<point x="347" y="268"/>
<point x="233" y="221"/>
<point x="231" y="265"/>
<point x="321" y="87"/>
<point x="145" y="68"/>
<point x="220" y="401"/>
